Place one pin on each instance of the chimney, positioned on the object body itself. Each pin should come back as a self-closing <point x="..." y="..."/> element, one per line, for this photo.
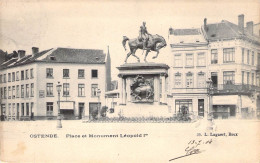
<point x="249" y="27"/>
<point x="205" y="24"/>
<point x="21" y="54"/>
<point x="35" y="50"/>
<point x="241" y="23"/>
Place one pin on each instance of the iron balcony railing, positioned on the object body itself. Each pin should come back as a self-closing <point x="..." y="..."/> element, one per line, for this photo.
<point x="233" y="88"/>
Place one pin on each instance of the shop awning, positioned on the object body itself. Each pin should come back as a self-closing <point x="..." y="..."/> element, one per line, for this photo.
<point x="225" y="100"/>
<point x="67" y="105"/>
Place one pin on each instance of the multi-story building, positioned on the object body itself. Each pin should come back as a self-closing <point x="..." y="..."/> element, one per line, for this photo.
<point x="188" y="70"/>
<point x="231" y="58"/>
<point x="234" y="55"/>
<point x="28" y="83"/>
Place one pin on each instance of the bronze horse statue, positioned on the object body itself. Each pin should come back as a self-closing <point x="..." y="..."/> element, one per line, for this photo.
<point x="155" y="43"/>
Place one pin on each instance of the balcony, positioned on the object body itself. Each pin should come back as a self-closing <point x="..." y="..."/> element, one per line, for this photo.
<point x="235" y="89"/>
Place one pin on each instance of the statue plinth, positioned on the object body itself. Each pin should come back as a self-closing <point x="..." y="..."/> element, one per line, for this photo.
<point x="143" y="90"/>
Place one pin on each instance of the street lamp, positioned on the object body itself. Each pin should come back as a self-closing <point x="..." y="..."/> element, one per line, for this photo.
<point x="209" y="116"/>
<point x="58" y="87"/>
<point x="98" y="94"/>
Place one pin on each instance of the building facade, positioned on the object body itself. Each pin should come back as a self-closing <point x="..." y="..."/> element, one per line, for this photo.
<point x="28" y="84"/>
<point x="188" y="71"/>
<point x="228" y="54"/>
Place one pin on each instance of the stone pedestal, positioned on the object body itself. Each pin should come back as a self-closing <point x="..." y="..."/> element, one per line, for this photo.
<point x="142" y="90"/>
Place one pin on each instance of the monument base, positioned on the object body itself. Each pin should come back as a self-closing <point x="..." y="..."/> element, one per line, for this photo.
<point x="141" y="110"/>
<point x="143" y="90"/>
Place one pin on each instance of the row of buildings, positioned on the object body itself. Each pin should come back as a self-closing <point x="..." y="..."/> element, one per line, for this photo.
<point x="226" y="53"/>
<point x="28" y="83"/>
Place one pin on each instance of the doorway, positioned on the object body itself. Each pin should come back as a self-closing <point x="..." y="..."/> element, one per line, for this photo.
<point x="214" y="78"/>
<point x="94" y="109"/>
<point x="81" y="110"/>
<point x="201" y="107"/>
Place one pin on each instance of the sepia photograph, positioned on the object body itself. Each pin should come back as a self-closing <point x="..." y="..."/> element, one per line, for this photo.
<point x="130" y="81"/>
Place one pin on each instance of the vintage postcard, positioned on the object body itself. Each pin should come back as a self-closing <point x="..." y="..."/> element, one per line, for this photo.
<point x="130" y="81"/>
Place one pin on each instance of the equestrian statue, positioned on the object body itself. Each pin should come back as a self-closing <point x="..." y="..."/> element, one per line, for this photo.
<point x="145" y="41"/>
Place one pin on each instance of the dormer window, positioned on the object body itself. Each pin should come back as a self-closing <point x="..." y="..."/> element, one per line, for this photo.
<point x="52" y="58"/>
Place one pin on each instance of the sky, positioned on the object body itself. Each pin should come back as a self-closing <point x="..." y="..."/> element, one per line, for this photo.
<point x="89" y="24"/>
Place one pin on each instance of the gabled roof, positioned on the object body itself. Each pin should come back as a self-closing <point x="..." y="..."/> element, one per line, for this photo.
<point x="227" y="30"/>
<point x="59" y="55"/>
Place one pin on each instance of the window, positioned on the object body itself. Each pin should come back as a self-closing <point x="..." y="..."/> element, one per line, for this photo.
<point x="201" y="59"/>
<point x="253" y="79"/>
<point x="243" y="55"/>
<point x="49" y="89"/>
<point x="243" y="77"/>
<point x="27" y="90"/>
<point x="228" y="55"/>
<point x="258" y="79"/>
<point x="32" y="104"/>
<point x="9" y="77"/>
<point x="26" y="74"/>
<point x="66" y="73"/>
<point x="22" y="91"/>
<point x="5" y="92"/>
<point x="253" y="58"/>
<point x="2" y="93"/>
<point x="17" y="75"/>
<point x="248" y="55"/>
<point x="31" y="73"/>
<point x="4" y="78"/>
<point x="177" y="60"/>
<point x="94" y="73"/>
<point x="17" y="91"/>
<point x="49" y="72"/>
<point x="189" y="80"/>
<point x="32" y="89"/>
<point x="214" y="56"/>
<point x="13" y="109"/>
<point x="179" y="104"/>
<point x="49" y="108"/>
<point x="177" y="80"/>
<point x="81" y="73"/>
<point x="66" y="89"/>
<point x="27" y="109"/>
<point x="201" y="80"/>
<point x="258" y="59"/>
<point x="81" y="90"/>
<point x="9" y="109"/>
<point x="1" y="81"/>
<point x="247" y="78"/>
<point x="189" y="60"/>
<point x="229" y="77"/>
<point x="13" y="92"/>
<point x="22" y="75"/>
<point x="94" y="89"/>
<point x="22" y="109"/>
<point x="13" y="76"/>
<point x="9" y="92"/>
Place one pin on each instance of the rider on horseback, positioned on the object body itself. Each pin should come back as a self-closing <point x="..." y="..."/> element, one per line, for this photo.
<point x="144" y="35"/>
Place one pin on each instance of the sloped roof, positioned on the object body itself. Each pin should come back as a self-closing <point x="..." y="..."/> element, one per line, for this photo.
<point x="227" y="30"/>
<point x="66" y="55"/>
<point x="60" y="55"/>
<point x="192" y="31"/>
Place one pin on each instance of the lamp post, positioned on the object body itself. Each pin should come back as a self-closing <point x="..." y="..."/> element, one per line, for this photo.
<point x="58" y="87"/>
<point x="98" y="94"/>
<point x="209" y="116"/>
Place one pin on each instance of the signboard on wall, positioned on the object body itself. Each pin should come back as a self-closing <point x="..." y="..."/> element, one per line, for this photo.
<point x="41" y="94"/>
